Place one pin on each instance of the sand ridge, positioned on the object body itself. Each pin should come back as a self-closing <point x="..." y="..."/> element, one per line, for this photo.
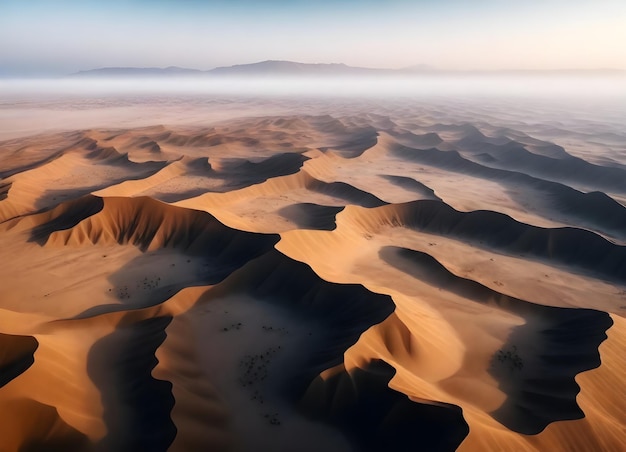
<point x="262" y="281"/>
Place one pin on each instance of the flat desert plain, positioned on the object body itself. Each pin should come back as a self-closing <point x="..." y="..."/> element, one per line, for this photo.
<point x="204" y="272"/>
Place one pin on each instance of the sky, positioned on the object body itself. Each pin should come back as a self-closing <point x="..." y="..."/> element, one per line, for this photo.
<point x="56" y="37"/>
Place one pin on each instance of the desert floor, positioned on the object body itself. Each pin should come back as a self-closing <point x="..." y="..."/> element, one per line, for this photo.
<point x="217" y="273"/>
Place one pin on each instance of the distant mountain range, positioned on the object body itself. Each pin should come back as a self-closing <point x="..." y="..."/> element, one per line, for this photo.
<point x="268" y="68"/>
<point x="294" y="69"/>
<point x="136" y="71"/>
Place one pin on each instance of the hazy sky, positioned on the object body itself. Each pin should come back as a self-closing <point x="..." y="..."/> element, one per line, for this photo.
<point x="63" y="36"/>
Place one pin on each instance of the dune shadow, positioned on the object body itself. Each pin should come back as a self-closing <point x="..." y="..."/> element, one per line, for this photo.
<point x="350" y="140"/>
<point x="5" y="187"/>
<point x="8" y="172"/>
<point x="515" y="156"/>
<point x="238" y="173"/>
<point x="346" y="192"/>
<point x="173" y="197"/>
<point x="537" y="366"/>
<point x="53" y="197"/>
<point x="16" y="356"/>
<point x="32" y="426"/>
<point x="595" y="210"/>
<point x="413" y="185"/>
<point x="376" y="418"/>
<point x="147" y="224"/>
<point x="136" y="406"/>
<point x="180" y="247"/>
<point x="234" y="174"/>
<point x="578" y="250"/>
<point x="155" y="276"/>
<point x="241" y="173"/>
<point x="342" y="311"/>
<point x="360" y="142"/>
<point x="66" y="217"/>
<point x="311" y="216"/>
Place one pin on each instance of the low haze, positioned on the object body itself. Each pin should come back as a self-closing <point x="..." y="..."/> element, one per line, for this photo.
<point x="56" y="38"/>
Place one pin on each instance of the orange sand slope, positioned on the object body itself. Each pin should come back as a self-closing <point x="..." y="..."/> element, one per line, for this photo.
<point x="384" y="277"/>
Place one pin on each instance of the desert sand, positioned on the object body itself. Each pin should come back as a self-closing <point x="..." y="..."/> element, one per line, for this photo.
<point x="274" y="274"/>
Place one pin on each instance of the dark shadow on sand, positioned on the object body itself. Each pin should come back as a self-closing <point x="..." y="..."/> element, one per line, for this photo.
<point x="537" y="366"/>
<point x="342" y="312"/>
<point x="311" y="216"/>
<point x="66" y="217"/>
<point x="594" y="210"/>
<point x="376" y="418"/>
<point x="412" y="185"/>
<point x="16" y="356"/>
<point x="578" y="250"/>
<point x="137" y="406"/>
<point x="359" y="404"/>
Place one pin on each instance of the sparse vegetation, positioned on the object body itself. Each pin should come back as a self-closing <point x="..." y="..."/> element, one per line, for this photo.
<point x="122" y="293"/>
<point x="147" y="283"/>
<point x="234" y="326"/>
<point x="254" y="370"/>
<point x="272" y="418"/>
<point x="511" y="358"/>
<point x="270" y="329"/>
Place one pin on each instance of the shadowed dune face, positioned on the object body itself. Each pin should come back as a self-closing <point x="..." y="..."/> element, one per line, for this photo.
<point x="66" y="217"/>
<point x="540" y="385"/>
<point x="136" y="406"/>
<point x="377" y="418"/>
<point x="413" y="185"/>
<point x="577" y="248"/>
<point x="263" y="334"/>
<point x="30" y="426"/>
<point x="341" y="311"/>
<point x="313" y="274"/>
<point x="311" y="216"/>
<point x="595" y="210"/>
<point x="144" y="223"/>
<point x="16" y="355"/>
<point x="537" y="364"/>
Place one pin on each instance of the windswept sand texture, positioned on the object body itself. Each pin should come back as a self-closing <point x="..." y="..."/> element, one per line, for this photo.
<point x="275" y="274"/>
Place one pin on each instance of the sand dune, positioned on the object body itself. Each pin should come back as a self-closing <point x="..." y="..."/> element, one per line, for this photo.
<point x="262" y="207"/>
<point x="594" y="210"/>
<point x="78" y="169"/>
<point x="142" y="222"/>
<point x="320" y="274"/>
<point x="565" y="246"/>
<point x="543" y="160"/>
<point x="566" y="343"/>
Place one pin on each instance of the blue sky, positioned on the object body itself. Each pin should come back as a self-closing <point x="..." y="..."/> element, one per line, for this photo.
<point x="57" y="37"/>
